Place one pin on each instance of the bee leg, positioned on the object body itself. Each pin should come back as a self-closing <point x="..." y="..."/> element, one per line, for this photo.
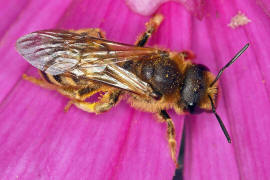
<point x="68" y="105"/>
<point x="170" y="134"/>
<point x="107" y="101"/>
<point x="78" y="95"/>
<point x="73" y="100"/>
<point x="39" y="82"/>
<point x="151" y="27"/>
<point x="94" y="32"/>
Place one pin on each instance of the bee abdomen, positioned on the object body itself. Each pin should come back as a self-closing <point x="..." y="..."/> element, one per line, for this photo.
<point x="58" y="80"/>
<point x="45" y="77"/>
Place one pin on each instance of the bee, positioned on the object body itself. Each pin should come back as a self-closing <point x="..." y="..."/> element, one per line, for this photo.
<point x="81" y="63"/>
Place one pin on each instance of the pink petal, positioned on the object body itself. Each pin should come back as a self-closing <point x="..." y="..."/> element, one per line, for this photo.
<point x="148" y="7"/>
<point x="33" y="16"/>
<point x="145" y="7"/>
<point x="39" y="141"/>
<point x="42" y="142"/>
<point x="244" y="97"/>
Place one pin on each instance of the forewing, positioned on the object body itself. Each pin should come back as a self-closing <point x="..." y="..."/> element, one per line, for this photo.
<point x="71" y="54"/>
<point x="49" y="51"/>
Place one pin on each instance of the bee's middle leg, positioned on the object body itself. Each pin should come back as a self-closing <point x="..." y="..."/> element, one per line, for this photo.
<point x="151" y="27"/>
<point x="170" y="134"/>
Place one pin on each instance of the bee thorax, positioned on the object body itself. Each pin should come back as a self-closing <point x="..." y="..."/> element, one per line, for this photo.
<point x="163" y="75"/>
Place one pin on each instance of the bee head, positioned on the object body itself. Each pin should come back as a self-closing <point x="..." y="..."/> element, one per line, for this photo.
<point x="193" y="88"/>
<point x="199" y="89"/>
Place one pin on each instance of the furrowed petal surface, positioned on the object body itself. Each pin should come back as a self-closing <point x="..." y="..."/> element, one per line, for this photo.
<point x="34" y="15"/>
<point x="39" y="141"/>
<point x="148" y="7"/>
<point x="243" y="101"/>
<point x="243" y="95"/>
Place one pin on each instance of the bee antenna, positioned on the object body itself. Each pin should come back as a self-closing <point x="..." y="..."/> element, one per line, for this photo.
<point x="229" y="63"/>
<point x="220" y="121"/>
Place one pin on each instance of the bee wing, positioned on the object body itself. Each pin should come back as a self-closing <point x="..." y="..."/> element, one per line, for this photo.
<point x="63" y="52"/>
<point x="49" y="51"/>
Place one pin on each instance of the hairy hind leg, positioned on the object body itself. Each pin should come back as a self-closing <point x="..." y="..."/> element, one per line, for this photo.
<point x="39" y="82"/>
<point x="78" y="96"/>
<point x="107" y="101"/>
<point x="151" y="27"/>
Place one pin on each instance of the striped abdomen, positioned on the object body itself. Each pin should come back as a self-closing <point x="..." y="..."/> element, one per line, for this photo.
<point x="62" y="80"/>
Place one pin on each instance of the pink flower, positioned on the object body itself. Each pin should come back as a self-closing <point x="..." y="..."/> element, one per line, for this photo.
<point x="39" y="141"/>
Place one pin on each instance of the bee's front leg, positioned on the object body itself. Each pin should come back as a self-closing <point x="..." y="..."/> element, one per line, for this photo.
<point x="170" y="134"/>
<point x="151" y="27"/>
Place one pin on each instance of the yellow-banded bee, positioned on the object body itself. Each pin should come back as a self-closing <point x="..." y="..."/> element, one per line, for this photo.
<point x="79" y="64"/>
